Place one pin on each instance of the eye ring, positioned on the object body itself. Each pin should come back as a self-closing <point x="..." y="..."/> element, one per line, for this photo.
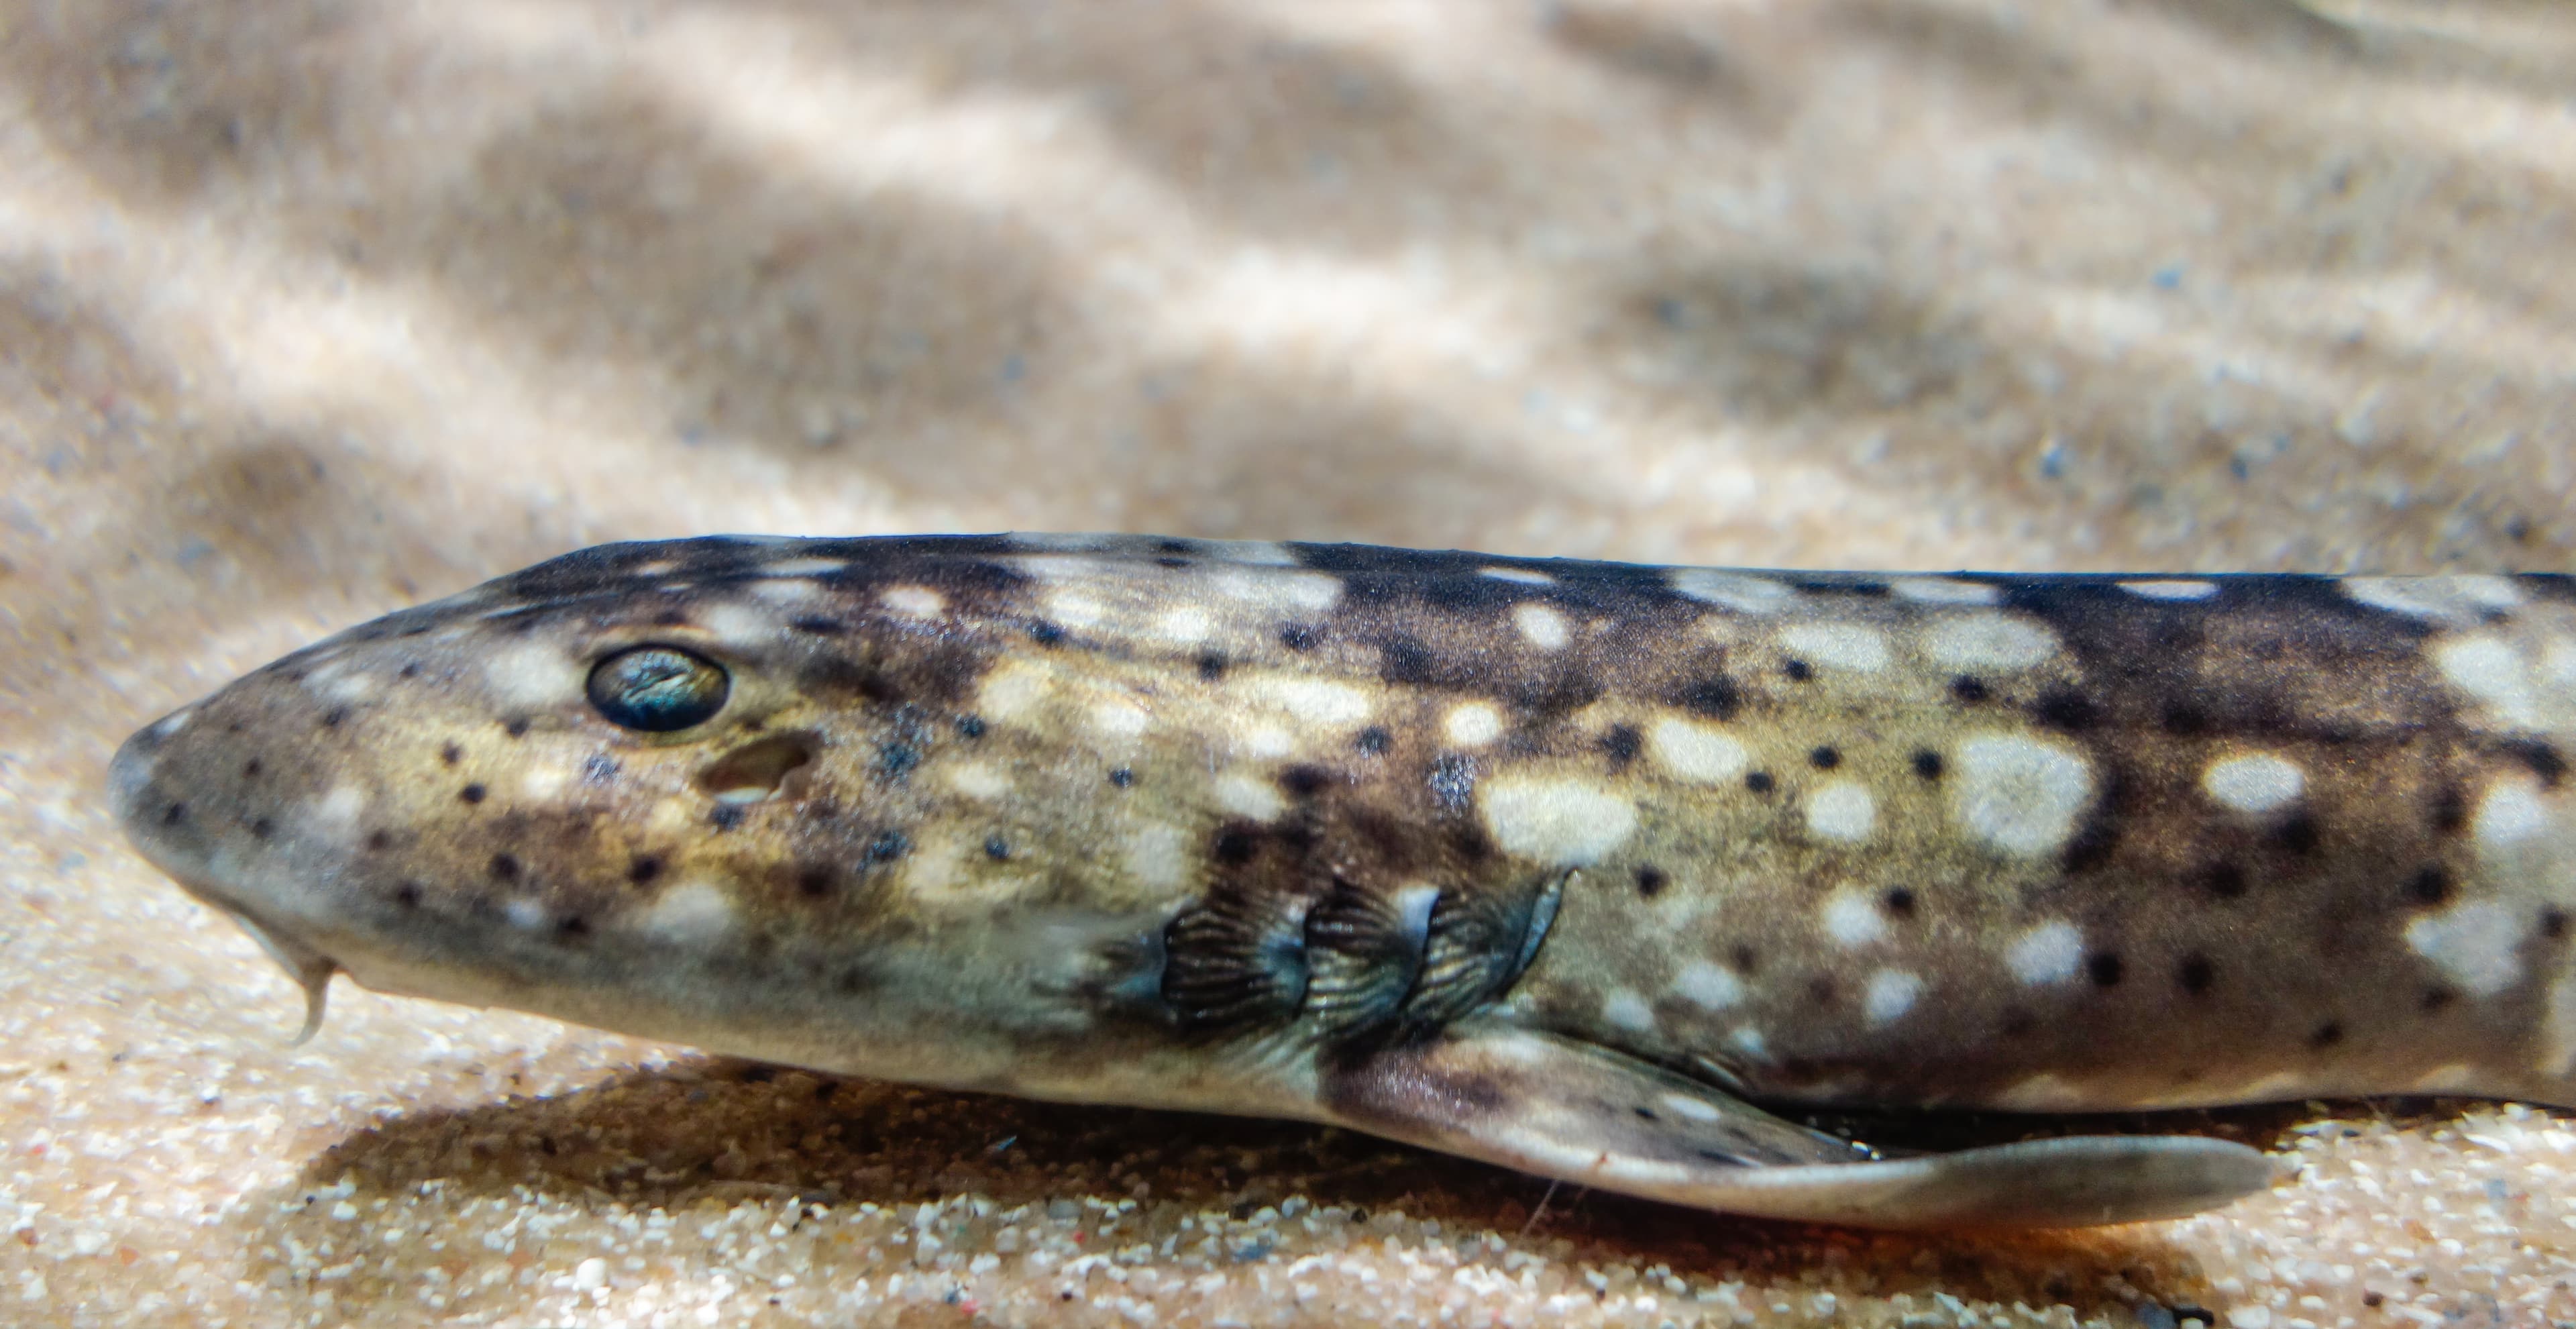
<point x="657" y="689"/>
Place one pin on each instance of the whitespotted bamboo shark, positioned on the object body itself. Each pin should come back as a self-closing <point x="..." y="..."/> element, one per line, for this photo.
<point x="1561" y="865"/>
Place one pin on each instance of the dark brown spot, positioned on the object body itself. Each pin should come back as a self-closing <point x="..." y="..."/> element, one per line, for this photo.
<point x="262" y="828"/>
<point x="2093" y="843"/>
<point x="472" y="793"/>
<point x="251" y="769"/>
<point x="174" y="814"/>
<point x="970" y="726"/>
<point x="819" y="625"/>
<point x="1651" y="881"/>
<point x="2067" y="709"/>
<point x="1715" y="696"/>
<point x="1374" y="740"/>
<point x="2018" y="1023"/>
<point x="1300" y="636"/>
<point x="2326" y="1035"/>
<point x="1045" y="633"/>
<point x="2103" y="967"/>
<point x="573" y="925"/>
<point x="334" y="717"/>
<point x="1799" y="671"/>
<point x="1969" y="689"/>
<point x="2450" y="809"/>
<point x="407" y="895"/>
<point x="670" y="618"/>
<point x="1211" y="666"/>
<point x="1622" y="743"/>
<point x="504" y="868"/>
<point x="2553" y="924"/>
<point x="1759" y="782"/>
<point x="814" y="883"/>
<point x="642" y="869"/>
<point x="450" y="753"/>
<point x="1234" y="846"/>
<point x="1820" y="990"/>
<point x="2195" y="974"/>
<point x="2543" y="760"/>
<point x="726" y="816"/>
<point x="1305" y="781"/>
<point x="2436" y="998"/>
<point x="2298" y="835"/>
<point x="1744" y="958"/>
<point x="1927" y="764"/>
<point x="996" y="848"/>
<point x="380" y="840"/>
<point x="1122" y="777"/>
<point x="2429" y="886"/>
<point x="1899" y="901"/>
<point x="517" y="726"/>
<point x="2224" y="880"/>
<point x="1824" y="759"/>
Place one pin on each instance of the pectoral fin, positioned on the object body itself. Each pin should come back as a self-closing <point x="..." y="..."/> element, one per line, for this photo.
<point x="1565" y="1109"/>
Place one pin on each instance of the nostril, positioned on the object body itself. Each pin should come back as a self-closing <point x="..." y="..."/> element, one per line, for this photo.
<point x="754" y="771"/>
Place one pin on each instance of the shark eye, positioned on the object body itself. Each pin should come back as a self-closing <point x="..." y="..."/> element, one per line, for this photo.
<point x="658" y="689"/>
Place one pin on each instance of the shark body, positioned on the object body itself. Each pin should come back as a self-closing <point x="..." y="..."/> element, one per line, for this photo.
<point x="1561" y="865"/>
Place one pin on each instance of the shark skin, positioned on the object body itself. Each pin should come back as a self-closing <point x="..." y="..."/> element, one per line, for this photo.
<point x="1579" y="868"/>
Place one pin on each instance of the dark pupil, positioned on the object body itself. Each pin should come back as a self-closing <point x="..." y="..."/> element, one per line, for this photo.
<point x="657" y="689"/>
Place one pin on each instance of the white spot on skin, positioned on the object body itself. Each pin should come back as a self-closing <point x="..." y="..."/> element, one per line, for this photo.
<point x="1472" y="725"/>
<point x="804" y="567"/>
<point x="1188" y="625"/>
<point x="1696" y="752"/>
<point x="543" y="782"/>
<point x="656" y="568"/>
<point x="785" y="591"/>
<point x="2445" y="1079"/>
<point x="1118" y="719"/>
<point x="1277" y="592"/>
<point x="1731" y="590"/>
<point x="1157" y="856"/>
<point x="1986" y="640"/>
<point x="1250" y="553"/>
<point x="1569" y="823"/>
<point x="524" y="914"/>
<point x="1316" y="701"/>
<point x="1523" y="576"/>
<point x="1541" y="626"/>
<point x="1268" y="741"/>
<point x="976" y="779"/>
<point x="691" y="911"/>
<point x="1837" y="645"/>
<point x="2558" y="1029"/>
<point x="2048" y="953"/>
<point x="1890" y="995"/>
<point x="1852" y="919"/>
<point x="1943" y="591"/>
<point x="1843" y="811"/>
<point x="1626" y="1010"/>
<point x="1248" y="796"/>
<point x="1690" y="1109"/>
<point x="2019" y="795"/>
<point x="738" y="625"/>
<point x="2255" y="782"/>
<point x="1059" y="541"/>
<point x="1747" y="1041"/>
<point x="172" y="723"/>
<point x="1073" y="609"/>
<point x="2494" y="673"/>
<point x="2043" y="1093"/>
<point x="531" y="674"/>
<point x="335" y="814"/>
<point x="2457" y="600"/>
<point x="342" y="684"/>
<point x="1012" y="691"/>
<point x="913" y="601"/>
<point x="2170" y="590"/>
<point x="2473" y="943"/>
<point x="2510" y="813"/>
<point x="1711" y="987"/>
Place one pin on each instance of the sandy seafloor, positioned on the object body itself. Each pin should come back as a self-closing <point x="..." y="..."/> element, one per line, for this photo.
<point x="310" y="309"/>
